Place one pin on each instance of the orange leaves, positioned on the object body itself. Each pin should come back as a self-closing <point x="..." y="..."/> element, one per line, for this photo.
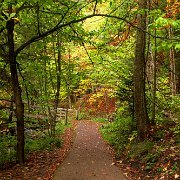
<point x="124" y="35"/>
<point x="172" y="8"/>
<point x="100" y="102"/>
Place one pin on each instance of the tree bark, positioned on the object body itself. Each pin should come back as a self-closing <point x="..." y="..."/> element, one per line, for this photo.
<point x="141" y="115"/>
<point x="154" y="83"/>
<point x="177" y="64"/>
<point x="19" y="111"/>
<point x="58" y="83"/>
<point x="172" y="66"/>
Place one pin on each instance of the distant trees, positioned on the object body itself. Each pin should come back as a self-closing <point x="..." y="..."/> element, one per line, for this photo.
<point x="34" y="19"/>
<point x="22" y="23"/>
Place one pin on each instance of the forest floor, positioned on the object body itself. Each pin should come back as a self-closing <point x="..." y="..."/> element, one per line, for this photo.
<point x="84" y="155"/>
<point x="90" y="157"/>
<point x="40" y="165"/>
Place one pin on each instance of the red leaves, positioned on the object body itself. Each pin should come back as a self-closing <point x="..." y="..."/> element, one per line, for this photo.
<point x="99" y="103"/>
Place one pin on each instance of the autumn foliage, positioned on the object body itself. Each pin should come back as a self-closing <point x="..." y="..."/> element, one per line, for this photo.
<point x="100" y="102"/>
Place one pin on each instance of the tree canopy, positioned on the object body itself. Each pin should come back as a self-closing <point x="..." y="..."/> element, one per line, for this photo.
<point x="88" y="54"/>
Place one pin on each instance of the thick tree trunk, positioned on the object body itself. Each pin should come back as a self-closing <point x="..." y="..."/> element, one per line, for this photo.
<point x="177" y="63"/>
<point x="16" y="93"/>
<point x="141" y="115"/>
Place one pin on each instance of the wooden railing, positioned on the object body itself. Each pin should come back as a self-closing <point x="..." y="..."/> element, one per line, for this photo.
<point x="62" y="112"/>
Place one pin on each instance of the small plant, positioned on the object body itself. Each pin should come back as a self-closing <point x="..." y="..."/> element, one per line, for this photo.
<point x="60" y="127"/>
<point x="100" y="119"/>
<point x="139" y="149"/>
<point x="117" y="133"/>
<point x="44" y="143"/>
<point x="149" y="166"/>
<point x="83" y="115"/>
<point x="7" y="149"/>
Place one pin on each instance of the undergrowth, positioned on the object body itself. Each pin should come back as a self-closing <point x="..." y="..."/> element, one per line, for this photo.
<point x="35" y="140"/>
<point x="117" y="133"/>
<point x="157" y="156"/>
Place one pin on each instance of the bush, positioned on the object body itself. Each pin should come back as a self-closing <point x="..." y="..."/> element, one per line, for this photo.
<point x="7" y="149"/>
<point x="44" y="143"/>
<point x="118" y="132"/>
<point x="83" y="115"/>
<point x="60" y="127"/>
<point x="100" y="120"/>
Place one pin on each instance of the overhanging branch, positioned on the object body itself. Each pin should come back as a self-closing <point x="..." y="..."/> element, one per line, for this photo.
<point x="60" y="26"/>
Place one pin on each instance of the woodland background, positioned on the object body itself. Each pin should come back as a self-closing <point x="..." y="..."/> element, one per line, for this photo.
<point x="115" y="61"/>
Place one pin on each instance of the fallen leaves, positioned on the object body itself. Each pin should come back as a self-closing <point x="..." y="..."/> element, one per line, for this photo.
<point x="159" y="163"/>
<point x="40" y="165"/>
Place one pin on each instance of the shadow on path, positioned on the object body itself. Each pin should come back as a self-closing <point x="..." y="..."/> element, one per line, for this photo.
<point x="89" y="158"/>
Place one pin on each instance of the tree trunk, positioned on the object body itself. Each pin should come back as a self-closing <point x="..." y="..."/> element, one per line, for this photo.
<point x="141" y="115"/>
<point x="154" y="83"/>
<point x="177" y="62"/>
<point x="172" y="66"/>
<point x="19" y="111"/>
<point x="58" y="83"/>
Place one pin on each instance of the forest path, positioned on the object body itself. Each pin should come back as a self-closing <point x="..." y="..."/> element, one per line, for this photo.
<point x="89" y="158"/>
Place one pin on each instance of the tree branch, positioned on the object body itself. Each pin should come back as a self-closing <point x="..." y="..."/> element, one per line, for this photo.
<point x="82" y="44"/>
<point x="60" y="26"/>
<point x="95" y="6"/>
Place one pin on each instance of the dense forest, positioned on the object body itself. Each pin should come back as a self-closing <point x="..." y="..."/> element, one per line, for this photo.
<point x="113" y="61"/>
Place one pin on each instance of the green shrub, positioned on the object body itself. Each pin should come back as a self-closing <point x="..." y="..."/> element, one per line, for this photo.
<point x="44" y="143"/>
<point x="83" y="115"/>
<point x="117" y="133"/>
<point x="100" y="119"/>
<point x="7" y="149"/>
<point x="60" y="127"/>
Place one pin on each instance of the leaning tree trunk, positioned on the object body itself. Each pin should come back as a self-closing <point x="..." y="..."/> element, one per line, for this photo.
<point x="141" y="115"/>
<point x="16" y="92"/>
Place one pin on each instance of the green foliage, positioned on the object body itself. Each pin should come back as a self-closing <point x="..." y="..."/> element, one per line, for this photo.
<point x="60" y="128"/>
<point x="83" y="115"/>
<point x="137" y="150"/>
<point x="118" y="132"/>
<point x="176" y="131"/>
<point x="7" y="149"/>
<point x="168" y="108"/>
<point x="100" y="119"/>
<point x="44" y="143"/>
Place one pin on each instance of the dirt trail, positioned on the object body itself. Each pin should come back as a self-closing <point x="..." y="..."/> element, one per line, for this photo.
<point x="89" y="158"/>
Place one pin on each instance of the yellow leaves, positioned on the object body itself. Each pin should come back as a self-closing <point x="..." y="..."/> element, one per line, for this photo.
<point x="94" y="97"/>
<point x="16" y="19"/>
<point x="172" y="1"/>
<point x="169" y="1"/>
<point x="166" y="166"/>
<point x="173" y="8"/>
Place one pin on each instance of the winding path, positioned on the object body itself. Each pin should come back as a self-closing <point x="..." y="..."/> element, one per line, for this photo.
<point x="89" y="158"/>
